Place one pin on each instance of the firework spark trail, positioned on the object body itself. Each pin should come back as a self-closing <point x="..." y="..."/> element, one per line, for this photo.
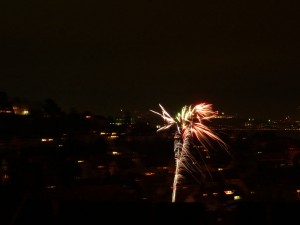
<point x="189" y="123"/>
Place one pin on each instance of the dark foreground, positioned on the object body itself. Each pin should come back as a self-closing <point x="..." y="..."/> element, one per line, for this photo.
<point x="26" y="209"/>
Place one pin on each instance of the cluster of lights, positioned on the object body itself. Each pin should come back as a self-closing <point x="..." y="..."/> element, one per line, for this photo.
<point x="112" y="135"/>
<point x="149" y="173"/>
<point x="116" y="153"/>
<point x="6" y="111"/>
<point x="47" y="139"/>
<point x="222" y="115"/>
<point x="20" y="111"/>
<point x="227" y="192"/>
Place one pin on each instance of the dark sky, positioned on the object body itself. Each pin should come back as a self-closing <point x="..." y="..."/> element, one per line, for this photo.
<point x="101" y="56"/>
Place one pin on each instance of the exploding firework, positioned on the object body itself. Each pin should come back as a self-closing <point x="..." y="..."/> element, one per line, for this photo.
<point x="190" y="130"/>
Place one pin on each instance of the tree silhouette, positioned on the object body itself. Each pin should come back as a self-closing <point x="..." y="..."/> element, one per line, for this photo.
<point x="51" y="109"/>
<point x="5" y="103"/>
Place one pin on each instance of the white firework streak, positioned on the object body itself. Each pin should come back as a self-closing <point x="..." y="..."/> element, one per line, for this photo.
<point x="189" y="126"/>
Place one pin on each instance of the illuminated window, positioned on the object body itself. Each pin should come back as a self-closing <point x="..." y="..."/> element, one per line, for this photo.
<point x="116" y="153"/>
<point x="228" y="192"/>
<point x="25" y="112"/>
<point x="237" y="197"/>
<point x="47" y="139"/>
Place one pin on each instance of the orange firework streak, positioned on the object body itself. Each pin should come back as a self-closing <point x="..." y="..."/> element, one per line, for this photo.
<point x="189" y="123"/>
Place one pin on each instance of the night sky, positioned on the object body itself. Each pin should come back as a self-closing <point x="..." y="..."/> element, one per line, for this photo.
<point x="103" y="56"/>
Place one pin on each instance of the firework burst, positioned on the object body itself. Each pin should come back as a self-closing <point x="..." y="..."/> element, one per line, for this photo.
<point x="190" y="130"/>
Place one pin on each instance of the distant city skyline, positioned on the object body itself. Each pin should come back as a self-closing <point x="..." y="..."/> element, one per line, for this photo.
<point x="23" y="106"/>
